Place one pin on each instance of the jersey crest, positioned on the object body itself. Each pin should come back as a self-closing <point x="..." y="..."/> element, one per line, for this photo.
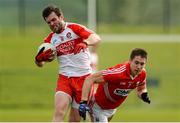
<point x="69" y="35"/>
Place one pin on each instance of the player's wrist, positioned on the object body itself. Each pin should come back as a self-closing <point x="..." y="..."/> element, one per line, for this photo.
<point x="85" y="43"/>
<point x="39" y="64"/>
<point x="83" y="102"/>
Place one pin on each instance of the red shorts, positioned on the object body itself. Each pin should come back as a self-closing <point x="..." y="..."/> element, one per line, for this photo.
<point x="71" y="85"/>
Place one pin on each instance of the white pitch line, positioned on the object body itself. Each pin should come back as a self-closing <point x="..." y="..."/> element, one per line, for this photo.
<point x="139" y="38"/>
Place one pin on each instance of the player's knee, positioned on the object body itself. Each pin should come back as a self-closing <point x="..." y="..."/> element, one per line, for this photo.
<point x="60" y="110"/>
<point x="59" y="113"/>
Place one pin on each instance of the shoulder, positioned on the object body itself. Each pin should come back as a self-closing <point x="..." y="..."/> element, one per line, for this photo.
<point x="74" y="25"/>
<point x="78" y="27"/>
<point x="117" y="69"/>
<point x="48" y="38"/>
<point x="114" y="74"/>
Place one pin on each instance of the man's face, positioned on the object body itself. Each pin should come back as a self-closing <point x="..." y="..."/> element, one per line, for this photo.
<point x="137" y="64"/>
<point x="55" y="23"/>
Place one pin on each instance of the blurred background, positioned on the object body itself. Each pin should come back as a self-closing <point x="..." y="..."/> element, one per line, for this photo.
<point x="27" y="92"/>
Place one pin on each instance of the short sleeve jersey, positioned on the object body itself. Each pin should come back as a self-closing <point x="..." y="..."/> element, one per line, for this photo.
<point x="118" y="84"/>
<point x="71" y="64"/>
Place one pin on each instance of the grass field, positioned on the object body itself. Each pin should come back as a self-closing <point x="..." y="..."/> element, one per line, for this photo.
<point x="27" y="92"/>
<point x="124" y="114"/>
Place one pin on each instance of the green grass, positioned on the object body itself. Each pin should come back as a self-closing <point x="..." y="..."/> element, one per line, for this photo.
<point x="24" y="115"/>
<point x="124" y="114"/>
<point x="27" y="92"/>
<point x="146" y="115"/>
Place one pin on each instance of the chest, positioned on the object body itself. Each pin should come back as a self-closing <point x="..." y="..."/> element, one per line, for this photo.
<point x="123" y="88"/>
<point x="64" y="38"/>
<point x="131" y="84"/>
<point x="65" y="42"/>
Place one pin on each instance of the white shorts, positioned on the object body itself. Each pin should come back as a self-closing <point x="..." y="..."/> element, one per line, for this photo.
<point x="98" y="114"/>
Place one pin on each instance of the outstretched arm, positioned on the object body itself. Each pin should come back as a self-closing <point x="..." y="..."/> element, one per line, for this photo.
<point x="94" y="78"/>
<point x="143" y="94"/>
<point x="141" y="89"/>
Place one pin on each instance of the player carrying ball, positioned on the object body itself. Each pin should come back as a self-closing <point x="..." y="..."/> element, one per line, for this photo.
<point x="71" y="41"/>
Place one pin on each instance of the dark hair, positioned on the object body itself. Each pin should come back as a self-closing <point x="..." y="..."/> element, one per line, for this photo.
<point x="138" y="52"/>
<point x="51" y="8"/>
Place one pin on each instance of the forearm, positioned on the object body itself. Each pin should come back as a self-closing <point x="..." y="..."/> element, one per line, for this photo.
<point x="139" y="93"/>
<point x="86" y="88"/>
<point x="94" y="78"/>
<point x="141" y="89"/>
<point x="143" y="94"/>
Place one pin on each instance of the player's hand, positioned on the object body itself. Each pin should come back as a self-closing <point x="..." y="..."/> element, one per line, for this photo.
<point x="83" y="108"/>
<point x="79" y="47"/>
<point x="44" y="56"/>
<point x="145" y="97"/>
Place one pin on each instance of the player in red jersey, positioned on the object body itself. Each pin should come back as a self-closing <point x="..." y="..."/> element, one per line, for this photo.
<point x="115" y="84"/>
<point x="71" y="41"/>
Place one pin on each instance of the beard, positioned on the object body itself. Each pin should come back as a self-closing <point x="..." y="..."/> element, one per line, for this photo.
<point x="57" y="28"/>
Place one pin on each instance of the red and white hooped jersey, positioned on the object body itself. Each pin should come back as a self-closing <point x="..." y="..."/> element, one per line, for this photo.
<point x="118" y="84"/>
<point x="71" y="64"/>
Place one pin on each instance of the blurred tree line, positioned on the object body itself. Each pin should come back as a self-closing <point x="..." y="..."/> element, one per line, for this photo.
<point x="128" y="12"/>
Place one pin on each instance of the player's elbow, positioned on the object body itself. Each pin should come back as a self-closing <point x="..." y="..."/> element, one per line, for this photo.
<point x="93" y="40"/>
<point x="97" y="39"/>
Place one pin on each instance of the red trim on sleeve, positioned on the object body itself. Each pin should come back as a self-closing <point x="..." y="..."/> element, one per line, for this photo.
<point x="48" y="38"/>
<point x="80" y="30"/>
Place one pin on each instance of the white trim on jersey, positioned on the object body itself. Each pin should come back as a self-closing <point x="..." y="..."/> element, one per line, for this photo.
<point x="114" y="70"/>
